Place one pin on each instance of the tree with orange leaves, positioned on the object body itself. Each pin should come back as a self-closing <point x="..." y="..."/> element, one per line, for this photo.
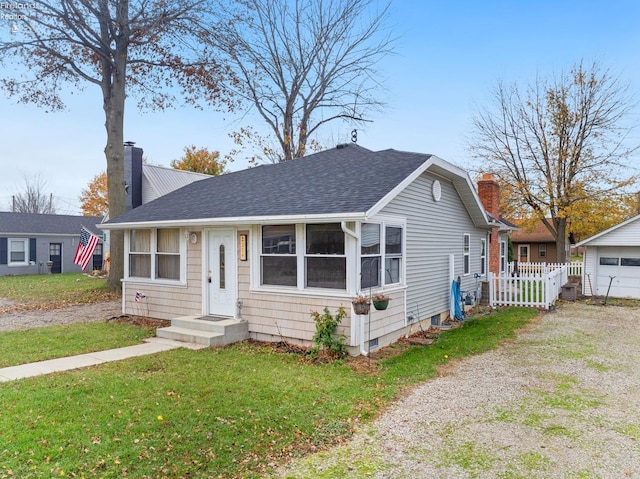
<point x="200" y="160"/>
<point x="94" y="199"/>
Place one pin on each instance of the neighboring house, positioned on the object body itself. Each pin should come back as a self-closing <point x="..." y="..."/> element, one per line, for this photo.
<point x="28" y="241"/>
<point x="535" y="245"/>
<point x="270" y="244"/>
<point x="612" y="261"/>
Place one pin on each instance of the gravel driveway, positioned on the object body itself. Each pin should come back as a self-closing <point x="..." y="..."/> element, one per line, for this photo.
<point x="561" y="401"/>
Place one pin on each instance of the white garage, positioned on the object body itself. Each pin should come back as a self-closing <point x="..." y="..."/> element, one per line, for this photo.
<point x="612" y="261"/>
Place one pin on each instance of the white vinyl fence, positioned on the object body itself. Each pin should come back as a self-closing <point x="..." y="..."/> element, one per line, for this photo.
<point x="525" y="269"/>
<point x="536" y="289"/>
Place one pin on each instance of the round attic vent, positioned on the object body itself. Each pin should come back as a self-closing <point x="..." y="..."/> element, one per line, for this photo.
<point x="436" y="189"/>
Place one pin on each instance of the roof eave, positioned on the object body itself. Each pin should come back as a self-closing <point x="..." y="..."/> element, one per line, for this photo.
<point x="244" y="220"/>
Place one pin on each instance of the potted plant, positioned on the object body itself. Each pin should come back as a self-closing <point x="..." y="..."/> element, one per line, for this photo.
<point x="361" y="305"/>
<point x="380" y="301"/>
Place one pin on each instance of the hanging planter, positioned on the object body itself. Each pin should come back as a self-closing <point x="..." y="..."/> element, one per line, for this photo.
<point x="380" y="302"/>
<point x="361" y="305"/>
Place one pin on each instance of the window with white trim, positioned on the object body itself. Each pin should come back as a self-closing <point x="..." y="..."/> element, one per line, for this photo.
<point x="140" y="253"/>
<point x="370" y="255"/>
<point x="278" y="261"/>
<point x="392" y="254"/>
<point x="325" y="258"/>
<point x="155" y="254"/>
<point x="503" y="256"/>
<point x="372" y="251"/>
<point x="466" y="253"/>
<point x="483" y="257"/>
<point x="18" y="251"/>
<point x="168" y="254"/>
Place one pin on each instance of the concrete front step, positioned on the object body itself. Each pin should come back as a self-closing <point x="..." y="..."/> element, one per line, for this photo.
<point x="198" y="330"/>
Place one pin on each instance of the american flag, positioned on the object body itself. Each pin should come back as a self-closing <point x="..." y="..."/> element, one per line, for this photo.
<point x="84" y="253"/>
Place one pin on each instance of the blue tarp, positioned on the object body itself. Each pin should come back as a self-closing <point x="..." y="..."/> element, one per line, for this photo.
<point x="455" y="309"/>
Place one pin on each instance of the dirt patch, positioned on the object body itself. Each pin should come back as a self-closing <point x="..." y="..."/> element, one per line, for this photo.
<point x="141" y="321"/>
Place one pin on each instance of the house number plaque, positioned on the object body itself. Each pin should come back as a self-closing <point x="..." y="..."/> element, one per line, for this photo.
<point x="243" y="247"/>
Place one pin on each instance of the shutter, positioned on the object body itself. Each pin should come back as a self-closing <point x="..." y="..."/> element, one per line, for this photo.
<point x="3" y="250"/>
<point x="32" y="249"/>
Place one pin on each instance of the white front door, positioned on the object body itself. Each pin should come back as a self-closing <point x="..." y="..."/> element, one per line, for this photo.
<point x="221" y="272"/>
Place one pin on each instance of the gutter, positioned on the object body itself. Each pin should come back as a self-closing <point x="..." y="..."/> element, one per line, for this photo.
<point x="356" y="236"/>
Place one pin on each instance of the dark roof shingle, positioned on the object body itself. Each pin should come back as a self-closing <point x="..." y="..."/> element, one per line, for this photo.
<point x="32" y="223"/>
<point x="349" y="179"/>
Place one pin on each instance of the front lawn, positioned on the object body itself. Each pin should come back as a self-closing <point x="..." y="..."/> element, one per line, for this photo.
<point x="225" y="413"/>
<point x="52" y="291"/>
<point x="39" y="344"/>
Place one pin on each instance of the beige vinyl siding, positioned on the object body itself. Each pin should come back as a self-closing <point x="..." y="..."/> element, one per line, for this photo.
<point x="435" y="230"/>
<point x="167" y="301"/>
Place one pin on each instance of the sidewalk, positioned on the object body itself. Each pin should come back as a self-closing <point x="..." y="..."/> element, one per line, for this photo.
<point x="150" y="346"/>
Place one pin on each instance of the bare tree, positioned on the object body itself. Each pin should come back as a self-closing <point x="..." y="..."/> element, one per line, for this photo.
<point x="33" y="198"/>
<point x="123" y="47"/>
<point x="302" y="64"/>
<point x="562" y="142"/>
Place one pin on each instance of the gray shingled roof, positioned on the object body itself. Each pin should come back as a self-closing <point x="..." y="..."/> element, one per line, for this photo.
<point x="349" y="179"/>
<point x="32" y="224"/>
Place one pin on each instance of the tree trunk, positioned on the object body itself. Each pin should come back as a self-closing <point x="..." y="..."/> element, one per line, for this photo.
<point x="561" y="239"/>
<point x="114" y="101"/>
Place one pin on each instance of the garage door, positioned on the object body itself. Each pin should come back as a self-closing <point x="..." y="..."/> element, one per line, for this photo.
<point x="621" y="268"/>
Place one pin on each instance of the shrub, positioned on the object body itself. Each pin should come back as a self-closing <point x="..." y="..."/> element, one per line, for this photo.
<point x="327" y="343"/>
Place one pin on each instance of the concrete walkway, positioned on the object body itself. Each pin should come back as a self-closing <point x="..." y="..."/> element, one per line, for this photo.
<point x="150" y="346"/>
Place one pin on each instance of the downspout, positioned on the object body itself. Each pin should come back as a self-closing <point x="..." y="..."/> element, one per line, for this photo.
<point x="356" y="236"/>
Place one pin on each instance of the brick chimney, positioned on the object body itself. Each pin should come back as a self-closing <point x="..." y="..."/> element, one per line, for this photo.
<point x="489" y="193"/>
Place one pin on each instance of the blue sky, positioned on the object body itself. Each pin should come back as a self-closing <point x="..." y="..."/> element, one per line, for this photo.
<point x="449" y="55"/>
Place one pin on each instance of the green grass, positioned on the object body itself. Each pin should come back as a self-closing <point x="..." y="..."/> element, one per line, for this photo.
<point x="233" y="412"/>
<point x="53" y="291"/>
<point x="39" y="344"/>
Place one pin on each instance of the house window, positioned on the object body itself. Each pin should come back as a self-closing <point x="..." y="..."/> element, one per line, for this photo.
<point x="466" y="254"/>
<point x="168" y="254"/>
<point x="140" y="253"/>
<point x="278" y="258"/>
<point x="503" y="256"/>
<point x="18" y="251"/>
<point x="392" y="254"/>
<point x="483" y="257"/>
<point x="155" y="254"/>
<point x="542" y="250"/>
<point x="370" y="255"/>
<point x="325" y="259"/>
<point x="372" y="251"/>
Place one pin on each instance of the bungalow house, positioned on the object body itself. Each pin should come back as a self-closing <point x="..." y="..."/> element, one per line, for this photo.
<point x="534" y="245"/>
<point x="28" y="241"/>
<point x="612" y="261"/>
<point x="267" y="245"/>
